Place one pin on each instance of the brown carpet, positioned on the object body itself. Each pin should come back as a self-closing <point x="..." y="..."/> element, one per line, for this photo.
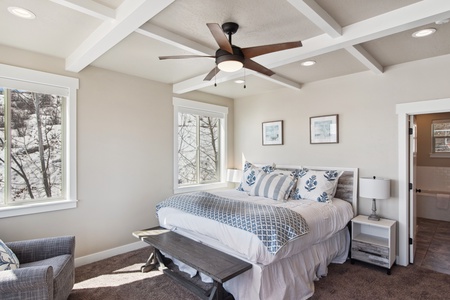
<point x="119" y="277"/>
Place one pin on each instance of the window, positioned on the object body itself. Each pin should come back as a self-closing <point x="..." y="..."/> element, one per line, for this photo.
<point x="440" y="138"/>
<point x="200" y="145"/>
<point x="37" y="141"/>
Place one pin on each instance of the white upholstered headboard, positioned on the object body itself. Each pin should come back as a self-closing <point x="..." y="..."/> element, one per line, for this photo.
<point x="347" y="188"/>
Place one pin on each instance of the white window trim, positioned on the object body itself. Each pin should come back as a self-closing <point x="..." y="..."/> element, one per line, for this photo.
<point x="8" y="73"/>
<point x="180" y="104"/>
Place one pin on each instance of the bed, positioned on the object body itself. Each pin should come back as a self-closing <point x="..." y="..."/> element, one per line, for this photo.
<point x="287" y="268"/>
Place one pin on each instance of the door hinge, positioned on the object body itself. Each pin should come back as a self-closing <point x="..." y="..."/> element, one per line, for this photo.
<point x="410" y="241"/>
<point x="410" y="186"/>
<point x="410" y="131"/>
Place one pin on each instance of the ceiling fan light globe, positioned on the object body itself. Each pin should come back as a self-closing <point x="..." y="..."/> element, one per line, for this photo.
<point x="230" y="65"/>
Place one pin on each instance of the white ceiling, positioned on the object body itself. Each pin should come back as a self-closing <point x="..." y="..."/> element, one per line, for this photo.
<point x="342" y="36"/>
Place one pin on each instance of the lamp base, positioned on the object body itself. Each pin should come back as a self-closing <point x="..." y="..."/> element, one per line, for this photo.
<point x="373" y="216"/>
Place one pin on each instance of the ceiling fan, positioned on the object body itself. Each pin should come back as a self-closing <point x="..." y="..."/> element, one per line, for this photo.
<point x="230" y="58"/>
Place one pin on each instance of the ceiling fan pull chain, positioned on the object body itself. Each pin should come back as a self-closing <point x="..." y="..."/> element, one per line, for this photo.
<point x="215" y="77"/>
<point x="245" y="80"/>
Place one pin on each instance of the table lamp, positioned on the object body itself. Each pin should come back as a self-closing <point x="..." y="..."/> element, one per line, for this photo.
<point x="375" y="188"/>
<point x="234" y="175"/>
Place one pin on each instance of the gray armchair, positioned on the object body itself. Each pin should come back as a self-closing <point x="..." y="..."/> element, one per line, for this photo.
<point x="46" y="271"/>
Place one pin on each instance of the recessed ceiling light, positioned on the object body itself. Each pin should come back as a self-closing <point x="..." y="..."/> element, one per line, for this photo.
<point x="239" y="81"/>
<point x="424" y="32"/>
<point x="21" y="12"/>
<point x="308" y="63"/>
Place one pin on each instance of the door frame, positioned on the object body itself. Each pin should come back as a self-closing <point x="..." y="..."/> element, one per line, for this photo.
<point x="404" y="110"/>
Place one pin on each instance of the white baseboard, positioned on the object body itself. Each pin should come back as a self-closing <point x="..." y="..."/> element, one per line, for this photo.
<point x="84" y="260"/>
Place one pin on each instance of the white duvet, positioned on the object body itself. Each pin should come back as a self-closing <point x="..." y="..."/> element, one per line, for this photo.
<point x="324" y="220"/>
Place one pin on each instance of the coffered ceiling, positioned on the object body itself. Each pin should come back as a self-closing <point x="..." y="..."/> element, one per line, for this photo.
<point x="342" y="36"/>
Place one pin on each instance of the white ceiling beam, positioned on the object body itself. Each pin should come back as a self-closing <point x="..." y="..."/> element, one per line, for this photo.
<point x="408" y="17"/>
<point x="130" y="15"/>
<point x="365" y="58"/>
<point x="89" y="7"/>
<point x="317" y="15"/>
<point x="170" y="38"/>
<point x="280" y="80"/>
<point x="197" y="82"/>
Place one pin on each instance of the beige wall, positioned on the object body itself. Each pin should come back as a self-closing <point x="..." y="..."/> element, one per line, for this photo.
<point x="125" y="127"/>
<point x="368" y="124"/>
<point x="423" y="123"/>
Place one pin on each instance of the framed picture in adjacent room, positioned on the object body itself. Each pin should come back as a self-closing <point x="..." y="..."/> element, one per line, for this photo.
<point x="272" y="133"/>
<point x="324" y="129"/>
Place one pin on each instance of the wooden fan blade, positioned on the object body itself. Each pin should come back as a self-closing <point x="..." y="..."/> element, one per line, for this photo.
<point x="260" y="50"/>
<point x="212" y="74"/>
<point x="220" y="37"/>
<point x="184" y="56"/>
<point x="250" y="64"/>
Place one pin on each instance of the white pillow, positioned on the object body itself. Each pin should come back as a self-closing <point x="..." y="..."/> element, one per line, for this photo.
<point x="273" y="186"/>
<point x="316" y="185"/>
<point x="8" y="260"/>
<point x="294" y="172"/>
<point x="249" y="175"/>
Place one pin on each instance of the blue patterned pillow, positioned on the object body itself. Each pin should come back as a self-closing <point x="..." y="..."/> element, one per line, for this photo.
<point x="249" y="175"/>
<point x="273" y="186"/>
<point x="316" y="185"/>
<point x="8" y="260"/>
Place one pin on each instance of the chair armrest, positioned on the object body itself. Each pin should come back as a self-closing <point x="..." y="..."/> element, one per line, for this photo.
<point x="26" y="279"/>
<point x="39" y="249"/>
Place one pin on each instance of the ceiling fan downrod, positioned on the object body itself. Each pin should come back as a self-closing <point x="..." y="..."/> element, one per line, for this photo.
<point x="230" y="28"/>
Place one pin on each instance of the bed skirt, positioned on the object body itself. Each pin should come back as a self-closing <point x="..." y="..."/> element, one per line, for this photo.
<point x="289" y="278"/>
<point x="292" y="277"/>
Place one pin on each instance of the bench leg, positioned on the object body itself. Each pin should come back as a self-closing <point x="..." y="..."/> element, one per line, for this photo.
<point x="160" y="260"/>
<point x="217" y="292"/>
<point x="151" y="262"/>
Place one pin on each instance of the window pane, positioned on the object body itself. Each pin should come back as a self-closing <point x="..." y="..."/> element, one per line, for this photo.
<point x="441" y="129"/>
<point x="36" y="145"/>
<point x="441" y="136"/>
<point x="187" y="149"/>
<point x="209" y="149"/>
<point x="442" y="145"/>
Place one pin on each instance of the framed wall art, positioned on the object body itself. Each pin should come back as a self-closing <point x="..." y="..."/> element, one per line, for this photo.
<point x="324" y="129"/>
<point x="272" y="133"/>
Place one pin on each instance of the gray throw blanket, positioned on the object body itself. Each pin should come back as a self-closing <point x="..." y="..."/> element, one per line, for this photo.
<point x="274" y="226"/>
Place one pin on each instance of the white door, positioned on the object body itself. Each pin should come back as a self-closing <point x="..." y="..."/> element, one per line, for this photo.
<point x="412" y="192"/>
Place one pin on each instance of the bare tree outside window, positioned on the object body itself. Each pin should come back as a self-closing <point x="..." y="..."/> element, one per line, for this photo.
<point x="31" y="151"/>
<point x="198" y="149"/>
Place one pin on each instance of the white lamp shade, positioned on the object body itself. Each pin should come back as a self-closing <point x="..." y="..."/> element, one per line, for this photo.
<point x="374" y="188"/>
<point x="234" y="175"/>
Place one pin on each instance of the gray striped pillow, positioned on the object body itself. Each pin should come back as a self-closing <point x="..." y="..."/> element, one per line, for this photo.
<point x="273" y="186"/>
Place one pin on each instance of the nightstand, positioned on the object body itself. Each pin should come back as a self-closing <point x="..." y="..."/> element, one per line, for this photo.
<point x="374" y="242"/>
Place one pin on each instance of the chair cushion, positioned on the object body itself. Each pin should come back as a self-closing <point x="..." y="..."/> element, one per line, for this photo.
<point x="63" y="273"/>
<point x="8" y="260"/>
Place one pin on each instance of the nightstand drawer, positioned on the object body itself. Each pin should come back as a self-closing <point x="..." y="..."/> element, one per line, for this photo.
<point x="370" y="248"/>
<point x="370" y="253"/>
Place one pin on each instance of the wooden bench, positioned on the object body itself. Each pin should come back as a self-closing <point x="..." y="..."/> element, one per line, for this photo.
<point x="217" y="265"/>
